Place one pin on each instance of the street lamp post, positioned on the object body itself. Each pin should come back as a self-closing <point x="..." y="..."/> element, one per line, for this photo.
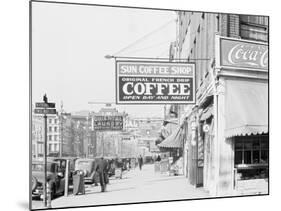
<point x="45" y="108"/>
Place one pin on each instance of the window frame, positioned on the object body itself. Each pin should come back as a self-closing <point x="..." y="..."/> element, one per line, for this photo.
<point x="257" y="28"/>
<point x="251" y="140"/>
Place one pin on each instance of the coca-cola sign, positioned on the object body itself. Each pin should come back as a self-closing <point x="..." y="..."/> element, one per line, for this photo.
<point x="244" y="54"/>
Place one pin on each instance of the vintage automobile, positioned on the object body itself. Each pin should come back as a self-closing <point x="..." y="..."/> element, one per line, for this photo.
<point x="62" y="165"/>
<point x="87" y="165"/>
<point x="55" y="178"/>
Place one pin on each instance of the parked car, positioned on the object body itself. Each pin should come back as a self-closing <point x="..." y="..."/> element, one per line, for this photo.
<point x="88" y="167"/>
<point x="55" y="178"/>
<point x="62" y="165"/>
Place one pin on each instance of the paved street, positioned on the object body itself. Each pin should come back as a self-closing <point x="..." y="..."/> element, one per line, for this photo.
<point x="135" y="186"/>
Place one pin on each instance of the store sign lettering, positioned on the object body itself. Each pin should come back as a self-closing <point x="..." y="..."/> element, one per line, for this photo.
<point x="111" y="123"/>
<point x="141" y="82"/>
<point x="244" y="54"/>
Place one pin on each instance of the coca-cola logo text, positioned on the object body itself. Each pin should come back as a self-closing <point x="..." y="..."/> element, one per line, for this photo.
<point x="245" y="55"/>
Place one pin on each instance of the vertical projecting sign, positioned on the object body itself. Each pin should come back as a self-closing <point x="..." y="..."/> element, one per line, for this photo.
<point x="147" y="82"/>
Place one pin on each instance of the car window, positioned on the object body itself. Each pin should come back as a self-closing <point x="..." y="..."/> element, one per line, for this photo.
<point x="84" y="165"/>
<point x="40" y="167"/>
<point x="63" y="164"/>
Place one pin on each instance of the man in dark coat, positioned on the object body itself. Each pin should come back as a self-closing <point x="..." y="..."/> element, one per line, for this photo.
<point x="101" y="168"/>
<point x="158" y="159"/>
<point x="140" y="161"/>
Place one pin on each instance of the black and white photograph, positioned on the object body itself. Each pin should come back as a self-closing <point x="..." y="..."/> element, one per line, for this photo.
<point x="136" y="105"/>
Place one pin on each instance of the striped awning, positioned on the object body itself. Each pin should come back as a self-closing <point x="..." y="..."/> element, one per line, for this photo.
<point x="174" y="140"/>
<point x="247" y="130"/>
<point x="246" y="108"/>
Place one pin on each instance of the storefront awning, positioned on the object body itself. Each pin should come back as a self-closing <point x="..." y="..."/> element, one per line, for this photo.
<point x="246" y="108"/>
<point x="207" y="113"/>
<point x="174" y="140"/>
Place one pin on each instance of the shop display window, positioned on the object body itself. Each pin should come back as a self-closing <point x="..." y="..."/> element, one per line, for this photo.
<point x="251" y="156"/>
<point x="251" y="150"/>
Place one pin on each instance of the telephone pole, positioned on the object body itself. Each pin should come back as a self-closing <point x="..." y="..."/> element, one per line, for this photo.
<point x="61" y="129"/>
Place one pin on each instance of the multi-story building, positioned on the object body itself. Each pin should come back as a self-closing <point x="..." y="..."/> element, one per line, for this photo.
<point x="37" y="137"/>
<point x="82" y="134"/>
<point x="226" y="132"/>
<point x="67" y="135"/>
<point x="66" y="131"/>
<point x="108" y="142"/>
<point x="53" y="135"/>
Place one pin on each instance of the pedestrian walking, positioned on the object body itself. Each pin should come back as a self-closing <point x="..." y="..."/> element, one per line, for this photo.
<point x="158" y="159"/>
<point x="101" y="168"/>
<point x="140" y="161"/>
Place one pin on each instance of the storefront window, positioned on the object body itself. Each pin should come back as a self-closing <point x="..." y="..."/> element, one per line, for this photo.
<point x="254" y="27"/>
<point x="238" y="157"/>
<point x="239" y="146"/>
<point x="247" y="157"/>
<point x="256" y="156"/>
<point x="264" y="156"/>
<point x="251" y="156"/>
<point x="251" y="150"/>
<point x="248" y="145"/>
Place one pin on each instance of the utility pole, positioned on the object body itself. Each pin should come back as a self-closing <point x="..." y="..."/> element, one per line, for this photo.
<point x="94" y="148"/>
<point x="61" y="128"/>
<point x="45" y="160"/>
<point x="102" y="144"/>
<point x="87" y="137"/>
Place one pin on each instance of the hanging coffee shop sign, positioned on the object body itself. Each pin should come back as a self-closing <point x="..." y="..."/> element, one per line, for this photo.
<point x="148" y="82"/>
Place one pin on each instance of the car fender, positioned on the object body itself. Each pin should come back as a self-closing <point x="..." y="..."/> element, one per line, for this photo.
<point x="34" y="183"/>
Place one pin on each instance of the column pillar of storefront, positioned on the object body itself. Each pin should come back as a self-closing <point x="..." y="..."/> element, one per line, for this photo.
<point x="224" y="148"/>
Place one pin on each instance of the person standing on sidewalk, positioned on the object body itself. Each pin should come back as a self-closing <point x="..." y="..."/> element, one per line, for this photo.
<point x="101" y="169"/>
<point x="140" y="161"/>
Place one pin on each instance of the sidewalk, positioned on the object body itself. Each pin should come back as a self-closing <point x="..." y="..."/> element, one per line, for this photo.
<point x="135" y="186"/>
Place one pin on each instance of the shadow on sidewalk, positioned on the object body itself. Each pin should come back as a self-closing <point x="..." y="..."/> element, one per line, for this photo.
<point x="109" y="191"/>
<point x="168" y="178"/>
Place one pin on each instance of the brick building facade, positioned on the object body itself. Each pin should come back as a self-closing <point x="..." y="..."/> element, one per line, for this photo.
<point x="221" y="152"/>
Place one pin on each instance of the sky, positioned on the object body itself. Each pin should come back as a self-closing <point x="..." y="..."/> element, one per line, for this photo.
<point x="69" y="43"/>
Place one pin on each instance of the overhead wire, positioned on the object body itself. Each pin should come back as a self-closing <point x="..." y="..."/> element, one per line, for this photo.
<point x="162" y="53"/>
<point x="143" y="37"/>
<point x="151" y="46"/>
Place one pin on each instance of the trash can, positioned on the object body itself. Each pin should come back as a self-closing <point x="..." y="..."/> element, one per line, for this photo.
<point x="78" y="183"/>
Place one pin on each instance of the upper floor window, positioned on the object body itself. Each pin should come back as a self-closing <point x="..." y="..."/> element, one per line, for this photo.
<point x="254" y="27"/>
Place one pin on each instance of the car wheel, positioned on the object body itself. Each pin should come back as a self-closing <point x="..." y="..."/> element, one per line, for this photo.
<point x="34" y="183"/>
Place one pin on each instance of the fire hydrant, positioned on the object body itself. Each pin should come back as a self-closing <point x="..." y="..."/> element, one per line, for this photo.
<point x="49" y="196"/>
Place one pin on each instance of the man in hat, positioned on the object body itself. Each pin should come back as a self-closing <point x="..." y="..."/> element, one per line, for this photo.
<point x="101" y="168"/>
